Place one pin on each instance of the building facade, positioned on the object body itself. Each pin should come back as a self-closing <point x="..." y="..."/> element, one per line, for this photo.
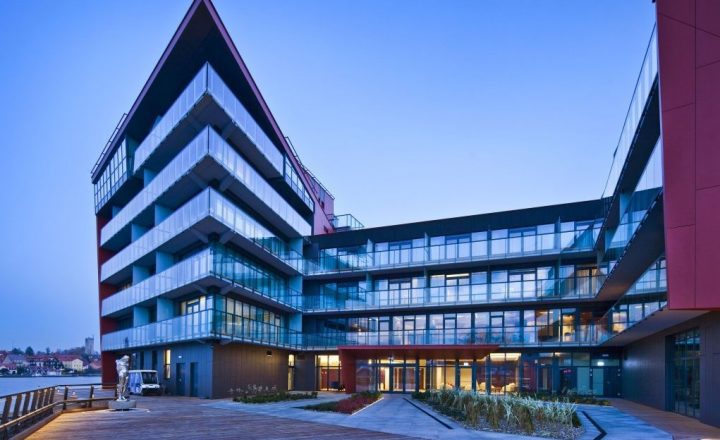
<point x="222" y="264"/>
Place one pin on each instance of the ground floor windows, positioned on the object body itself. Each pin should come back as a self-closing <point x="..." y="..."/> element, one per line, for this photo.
<point x="328" y="372"/>
<point x="686" y="373"/>
<point x="499" y="373"/>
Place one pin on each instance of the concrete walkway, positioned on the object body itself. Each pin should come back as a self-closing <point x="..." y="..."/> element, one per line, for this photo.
<point x="622" y="426"/>
<point x="392" y="415"/>
<point x="679" y="426"/>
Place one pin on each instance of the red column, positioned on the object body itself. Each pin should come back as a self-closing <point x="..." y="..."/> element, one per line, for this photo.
<point x="689" y="69"/>
<point x="348" y="371"/>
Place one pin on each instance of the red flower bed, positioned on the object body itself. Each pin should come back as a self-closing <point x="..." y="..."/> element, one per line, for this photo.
<point x="354" y="403"/>
<point x="347" y="406"/>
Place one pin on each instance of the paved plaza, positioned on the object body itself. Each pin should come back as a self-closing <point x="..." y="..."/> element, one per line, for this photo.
<point x="395" y="416"/>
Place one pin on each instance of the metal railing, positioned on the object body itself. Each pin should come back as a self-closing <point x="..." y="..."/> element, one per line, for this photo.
<point x="108" y="144"/>
<point x="22" y="410"/>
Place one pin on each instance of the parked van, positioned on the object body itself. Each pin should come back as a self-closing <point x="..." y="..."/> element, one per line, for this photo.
<point x="143" y="382"/>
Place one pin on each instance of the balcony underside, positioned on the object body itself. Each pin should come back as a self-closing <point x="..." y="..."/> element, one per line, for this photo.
<point x="207" y="172"/>
<point x="202" y="285"/>
<point x="198" y="233"/>
<point x="457" y="265"/>
<point x="641" y="251"/>
<point x="464" y="306"/>
<point x="658" y="321"/>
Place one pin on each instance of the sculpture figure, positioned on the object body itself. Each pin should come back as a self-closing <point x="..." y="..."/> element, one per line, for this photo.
<point x="122" y="365"/>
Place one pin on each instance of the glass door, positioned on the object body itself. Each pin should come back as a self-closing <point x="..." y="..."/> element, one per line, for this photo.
<point x="398" y="378"/>
<point x="384" y="380"/>
<point x="410" y="378"/>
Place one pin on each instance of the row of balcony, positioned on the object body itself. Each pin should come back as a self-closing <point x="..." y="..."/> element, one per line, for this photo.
<point x="481" y="250"/>
<point x="207" y="83"/>
<point x="205" y="214"/>
<point x="211" y="324"/>
<point x="207" y="145"/>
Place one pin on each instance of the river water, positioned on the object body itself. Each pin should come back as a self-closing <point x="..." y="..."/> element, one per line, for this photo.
<point x="10" y="385"/>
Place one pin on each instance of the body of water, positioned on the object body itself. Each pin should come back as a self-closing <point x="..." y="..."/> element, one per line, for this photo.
<point x="10" y="385"/>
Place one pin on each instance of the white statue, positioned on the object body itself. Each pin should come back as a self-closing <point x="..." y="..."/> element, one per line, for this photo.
<point x="122" y="371"/>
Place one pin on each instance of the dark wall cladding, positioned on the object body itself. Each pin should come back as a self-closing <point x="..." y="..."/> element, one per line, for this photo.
<point x="587" y="210"/>
<point x="237" y="366"/>
<point x="305" y="372"/>
<point x="647" y="371"/>
<point x="186" y="354"/>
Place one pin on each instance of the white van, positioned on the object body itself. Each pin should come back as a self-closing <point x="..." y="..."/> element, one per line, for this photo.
<point x="143" y="382"/>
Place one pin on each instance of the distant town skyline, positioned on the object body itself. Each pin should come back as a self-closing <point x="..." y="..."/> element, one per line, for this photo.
<point x="455" y="82"/>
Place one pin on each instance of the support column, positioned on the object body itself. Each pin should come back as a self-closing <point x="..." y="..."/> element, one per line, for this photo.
<point x="348" y="372"/>
<point x="161" y="213"/>
<point x="163" y="261"/>
<point x="164" y="308"/>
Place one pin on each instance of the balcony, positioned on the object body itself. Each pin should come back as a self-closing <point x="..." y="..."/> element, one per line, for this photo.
<point x="546" y="291"/>
<point x="208" y="101"/>
<point x="345" y="222"/>
<point x="638" y="239"/>
<point x="207" y="324"/>
<point x="530" y="248"/>
<point x="205" y="214"/>
<point x="206" y="158"/>
<point x="583" y="336"/>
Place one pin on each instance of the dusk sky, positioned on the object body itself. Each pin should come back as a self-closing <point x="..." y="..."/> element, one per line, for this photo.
<point x="406" y="110"/>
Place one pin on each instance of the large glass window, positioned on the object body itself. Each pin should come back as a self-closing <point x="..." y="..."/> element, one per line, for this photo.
<point x="686" y="373"/>
<point x="328" y="372"/>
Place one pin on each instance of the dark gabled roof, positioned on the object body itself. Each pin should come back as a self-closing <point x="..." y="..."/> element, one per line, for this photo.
<point x="201" y="37"/>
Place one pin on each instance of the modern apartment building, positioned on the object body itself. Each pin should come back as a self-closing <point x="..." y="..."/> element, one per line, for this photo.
<point x="222" y="263"/>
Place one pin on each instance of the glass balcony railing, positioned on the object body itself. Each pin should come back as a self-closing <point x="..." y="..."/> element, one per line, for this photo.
<point x="181" y="274"/>
<point x="521" y="291"/>
<point x="216" y="261"/>
<point x="646" y="296"/>
<point x="644" y="84"/>
<point x="242" y="171"/>
<point x="582" y="335"/>
<point x="164" y="180"/>
<point x="641" y="199"/>
<point x="241" y="117"/>
<point x="208" y="82"/>
<point x="483" y="250"/>
<point x="182" y="328"/>
<point x="172" y="117"/>
<point x="180" y="220"/>
<point x="345" y="222"/>
<point x="208" y="203"/>
<point x="206" y="324"/>
<point x="208" y="142"/>
<point x="238" y="270"/>
<point x="293" y="179"/>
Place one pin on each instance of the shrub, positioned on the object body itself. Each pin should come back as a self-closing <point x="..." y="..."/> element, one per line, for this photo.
<point x="508" y="413"/>
<point x="260" y="394"/>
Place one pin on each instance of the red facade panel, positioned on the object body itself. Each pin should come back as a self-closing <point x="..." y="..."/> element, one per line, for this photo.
<point x="681" y="267"/>
<point x="689" y="57"/>
<point x="679" y="166"/>
<point x="707" y="143"/>
<point x="707" y="242"/>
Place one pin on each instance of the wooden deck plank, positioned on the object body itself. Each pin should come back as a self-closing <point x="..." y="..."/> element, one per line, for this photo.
<point x="177" y="417"/>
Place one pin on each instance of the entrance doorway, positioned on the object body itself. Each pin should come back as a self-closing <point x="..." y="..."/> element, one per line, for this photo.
<point x="180" y="379"/>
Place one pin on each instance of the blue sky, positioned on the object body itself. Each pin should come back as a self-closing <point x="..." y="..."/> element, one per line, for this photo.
<point x="406" y="110"/>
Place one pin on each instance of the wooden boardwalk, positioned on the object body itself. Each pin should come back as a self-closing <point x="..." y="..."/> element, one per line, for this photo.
<point x="187" y="418"/>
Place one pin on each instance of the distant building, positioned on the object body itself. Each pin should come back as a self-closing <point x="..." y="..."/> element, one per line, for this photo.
<point x="71" y="362"/>
<point x="17" y="359"/>
<point x="89" y="345"/>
